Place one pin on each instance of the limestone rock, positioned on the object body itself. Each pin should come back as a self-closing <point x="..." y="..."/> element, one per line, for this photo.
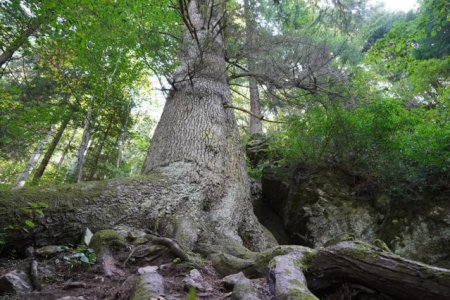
<point x="15" y="282"/>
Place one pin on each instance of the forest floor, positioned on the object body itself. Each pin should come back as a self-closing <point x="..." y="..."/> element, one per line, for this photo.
<point x="64" y="281"/>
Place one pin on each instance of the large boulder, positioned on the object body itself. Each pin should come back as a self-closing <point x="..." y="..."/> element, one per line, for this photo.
<point x="318" y="204"/>
<point x="420" y="229"/>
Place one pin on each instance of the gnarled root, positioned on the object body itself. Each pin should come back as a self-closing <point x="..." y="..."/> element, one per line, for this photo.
<point x="355" y="262"/>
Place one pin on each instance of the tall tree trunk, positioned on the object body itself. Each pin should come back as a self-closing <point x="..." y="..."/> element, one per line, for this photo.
<point x="123" y="135"/>
<point x="32" y="161"/>
<point x="255" y="107"/>
<point x="75" y="172"/>
<point x="49" y="153"/>
<point x="66" y="149"/>
<point x="100" y="146"/>
<point x="196" y="143"/>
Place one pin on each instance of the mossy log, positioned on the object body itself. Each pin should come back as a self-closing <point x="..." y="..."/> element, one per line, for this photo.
<point x="73" y="208"/>
<point x="385" y="272"/>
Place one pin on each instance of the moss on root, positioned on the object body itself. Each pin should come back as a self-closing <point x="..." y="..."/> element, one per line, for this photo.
<point x="358" y="250"/>
<point x="104" y="240"/>
<point x="305" y="262"/>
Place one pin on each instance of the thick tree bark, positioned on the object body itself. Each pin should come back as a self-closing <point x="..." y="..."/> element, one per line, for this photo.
<point x="49" y="153"/>
<point x="32" y="161"/>
<point x="197" y="136"/>
<point x="255" y="107"/>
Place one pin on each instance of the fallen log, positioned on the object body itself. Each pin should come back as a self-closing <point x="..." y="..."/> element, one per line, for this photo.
<point x="385" y="272"/>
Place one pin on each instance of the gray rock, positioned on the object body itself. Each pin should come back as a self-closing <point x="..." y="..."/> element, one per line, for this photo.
<point x="87" y="236"/>
<point x="317" y="207"/>
<point x="243" y="288"/>
<point x="15" y="282"/>
<point x="72" y="298"/>
<point x="317" y="204"/>
<point x="230" y="281"/>
<point x="195" y="280"/>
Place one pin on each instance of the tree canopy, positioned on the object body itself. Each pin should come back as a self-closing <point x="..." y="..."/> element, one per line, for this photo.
<point x="348" y="83"/>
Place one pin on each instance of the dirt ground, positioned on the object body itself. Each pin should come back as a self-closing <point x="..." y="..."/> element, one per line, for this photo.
<point x="59" y="279"/>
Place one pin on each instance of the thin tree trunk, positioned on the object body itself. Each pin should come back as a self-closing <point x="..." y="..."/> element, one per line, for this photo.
<point x="66" y="149"/>
<point x="196" y="143"/>
<point x="9" y="51"/>
<point x="255" y="107"/>
<point x="32" y="161"/>
<point x="49" y="153"/>
<point x="75" y="172"/>
<point x="99" y="151"/>
<point x="84" y="145"/>
<point x="123" y="136"/>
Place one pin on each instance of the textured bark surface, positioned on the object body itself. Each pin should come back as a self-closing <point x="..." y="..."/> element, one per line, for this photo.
<point x="382" y="271"/>
<point x="145" y="203"/>
<point x="198" y="136"/>
<point x="255" y="107"/>
<point x="49" y="153"/>
<point x="31" y="163"/>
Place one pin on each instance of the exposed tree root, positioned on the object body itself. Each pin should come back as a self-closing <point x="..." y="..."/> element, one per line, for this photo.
<point x="172" y="245"/>
<point x="349" y="261"/>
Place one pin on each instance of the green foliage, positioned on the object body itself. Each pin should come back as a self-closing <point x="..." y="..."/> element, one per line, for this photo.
<point x="27" y="224"/>
<point x="176" y="260"/>
<point x="81" y="256"/>
<point x="381" y="139"/>
<point x="192" y="294"/>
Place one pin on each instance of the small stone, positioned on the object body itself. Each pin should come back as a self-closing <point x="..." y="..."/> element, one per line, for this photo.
<point x="87" y="236"/>
<point x="15" y="282"/>
<point x="194" y="280"/>
<point x="230" y="280"/>
<point x="243" y="288"/>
